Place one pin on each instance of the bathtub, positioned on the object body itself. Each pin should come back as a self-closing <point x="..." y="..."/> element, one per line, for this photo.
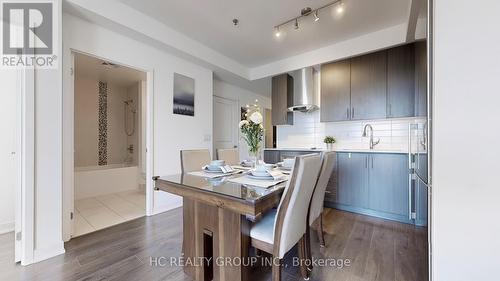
<point x="91" y="181"/>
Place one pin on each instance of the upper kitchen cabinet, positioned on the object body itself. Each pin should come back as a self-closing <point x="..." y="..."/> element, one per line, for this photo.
<point x="421" y="78"/>
<point x="401" y="81"/>
<point x="335" y="91"/>
<point x="369" y="86"/>
<point x="282" y="98"/>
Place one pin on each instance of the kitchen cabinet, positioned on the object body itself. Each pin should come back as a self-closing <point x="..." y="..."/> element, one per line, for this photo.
<point x="369" y="86"/>
<point x="281" y="99"/>
<point x="335" y="91"/>
<point x="385" y="84"/>
<point x="275" y="156"/>
<point x="352" y="172"/>
<point x="271" y="156"/>
<point x="388" y="184"/>
<point x="421" y="78"/>
<point x="401" y="81"/>
<point x="374" y="184"/>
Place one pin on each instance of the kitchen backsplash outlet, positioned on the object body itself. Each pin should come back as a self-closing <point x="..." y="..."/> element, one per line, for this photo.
<point x="308" y="132"/>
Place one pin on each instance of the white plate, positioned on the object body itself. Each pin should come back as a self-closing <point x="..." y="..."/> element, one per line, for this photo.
<point x="260" y="177"/>
<point x="260" y="173"/>
<point x="214" y="172"/>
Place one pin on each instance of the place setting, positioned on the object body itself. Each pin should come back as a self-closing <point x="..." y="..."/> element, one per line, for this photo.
<point x="286" y="165"/>
<point x="216" y="169"/>
<point x="263" y="175"/>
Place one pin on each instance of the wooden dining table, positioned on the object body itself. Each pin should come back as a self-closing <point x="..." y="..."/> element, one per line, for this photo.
<point x="217" y="216"/>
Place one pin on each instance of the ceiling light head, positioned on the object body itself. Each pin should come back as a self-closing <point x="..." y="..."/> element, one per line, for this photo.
<point x="277" y="32"/>
<point x="316" y="18"/>
<point x="296" y="25"/>
<point x="340" y="8"/>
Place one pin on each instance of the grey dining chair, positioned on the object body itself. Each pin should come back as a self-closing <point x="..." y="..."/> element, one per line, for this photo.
<point x="316" y="209"/>
<point x="194" y="160"/>
<point x="230" y="155"/>
<point x="282" y="228"/>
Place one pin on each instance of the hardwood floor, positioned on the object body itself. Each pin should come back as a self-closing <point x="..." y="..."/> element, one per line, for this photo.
<point x="377" y="250"/>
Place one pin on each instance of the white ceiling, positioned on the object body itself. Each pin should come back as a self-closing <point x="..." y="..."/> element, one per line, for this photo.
<point x="252" y="43"/>
<point x="91" y="67"/>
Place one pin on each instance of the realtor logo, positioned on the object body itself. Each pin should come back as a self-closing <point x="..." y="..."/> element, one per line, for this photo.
<point x="28" y="34"/>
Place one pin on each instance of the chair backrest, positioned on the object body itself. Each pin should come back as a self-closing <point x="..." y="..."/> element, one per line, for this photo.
<point x="329" y="162"/>
<point x="194" y="160"/>
<point x="290" y="224"/>
<point x="230" y="155"/>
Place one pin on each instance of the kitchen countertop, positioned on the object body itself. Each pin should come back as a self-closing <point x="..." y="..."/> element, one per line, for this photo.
<point x="353" y="150"/>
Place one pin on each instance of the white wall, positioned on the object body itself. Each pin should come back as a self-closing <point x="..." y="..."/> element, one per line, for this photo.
<point x="466" y="189"/>
<point x="87" y="121"/>
<point x="171" y="132"/>
<point x="243" y="97"/>
<point x="8" y="125"/>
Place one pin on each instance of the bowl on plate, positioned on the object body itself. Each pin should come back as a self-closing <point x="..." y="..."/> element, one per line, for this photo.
<point x="217" y="163"/>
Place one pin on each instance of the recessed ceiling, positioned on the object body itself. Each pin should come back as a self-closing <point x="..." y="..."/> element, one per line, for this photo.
<point x="92" y="67"/>
<point x="253" y="43"/>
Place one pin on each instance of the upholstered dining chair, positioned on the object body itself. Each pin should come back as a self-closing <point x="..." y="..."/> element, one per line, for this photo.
<point x="316" y="209"/>
<point x="282" y="228"/>
<point x="230" y="155"/>
<point x="194" y="160"/>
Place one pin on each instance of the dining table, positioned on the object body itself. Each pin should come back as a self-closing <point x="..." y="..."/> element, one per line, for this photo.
<point x="217" y="216"/>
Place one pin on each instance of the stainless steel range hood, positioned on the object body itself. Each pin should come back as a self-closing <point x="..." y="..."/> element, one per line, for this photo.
<point x="304" y="90"/>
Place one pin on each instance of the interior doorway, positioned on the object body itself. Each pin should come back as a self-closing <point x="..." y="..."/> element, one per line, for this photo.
<point x="226" y="118"/>
<point x="109" y="144"/>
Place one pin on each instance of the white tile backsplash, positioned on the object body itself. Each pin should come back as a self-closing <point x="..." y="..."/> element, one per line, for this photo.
<point x="308" y="132"/>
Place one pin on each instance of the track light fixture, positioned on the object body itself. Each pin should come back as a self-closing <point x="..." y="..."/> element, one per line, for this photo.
<point x="277" y="32"/>
<point x="316" y="18"/>
<point x="306" y="12"/>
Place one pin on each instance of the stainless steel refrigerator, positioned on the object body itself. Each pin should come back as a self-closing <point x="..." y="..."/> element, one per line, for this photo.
<point x="418" y="157"/>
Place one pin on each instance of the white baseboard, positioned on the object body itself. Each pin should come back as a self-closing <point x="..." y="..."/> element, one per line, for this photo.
<point x="6" y="227"/>
<point x="49" y="252"/>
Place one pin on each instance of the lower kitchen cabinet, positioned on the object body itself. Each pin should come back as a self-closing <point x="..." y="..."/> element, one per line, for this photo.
<point x="373" y="184"/>
<point x="388" y="184"/>
<point x="271" y="156"/>
<point x="352" y="177"/>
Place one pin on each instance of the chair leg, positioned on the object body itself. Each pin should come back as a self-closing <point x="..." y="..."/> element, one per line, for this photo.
<point x="320" y="232"/>
<point x="308" y="248"/>
<point x="276" y="269"/>
<point x="304" y="272"/>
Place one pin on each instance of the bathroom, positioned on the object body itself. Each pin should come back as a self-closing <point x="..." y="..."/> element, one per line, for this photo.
<point x="108" y="144"/>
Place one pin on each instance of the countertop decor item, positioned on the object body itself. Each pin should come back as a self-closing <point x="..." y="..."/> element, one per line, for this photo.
<point x="253" y="131"/>
<point x="329" y="140"/>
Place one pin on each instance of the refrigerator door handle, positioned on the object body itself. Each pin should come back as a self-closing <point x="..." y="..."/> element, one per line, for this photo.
<point x="410" y="180"/>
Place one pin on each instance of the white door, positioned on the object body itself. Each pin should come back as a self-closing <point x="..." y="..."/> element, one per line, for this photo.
<point x="226" y="119"/>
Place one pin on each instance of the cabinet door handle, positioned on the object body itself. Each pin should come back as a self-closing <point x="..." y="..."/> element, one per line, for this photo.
<point x="366" y="162"/>
<point x="371" y="156"/>
<point x="390" y="110"/>
<point x="352" y="112"/>
<point x="347" y="113"/>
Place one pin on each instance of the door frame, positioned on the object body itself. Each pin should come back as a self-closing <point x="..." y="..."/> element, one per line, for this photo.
<point x="68" y="145"/>
<point x="25" y="173"/>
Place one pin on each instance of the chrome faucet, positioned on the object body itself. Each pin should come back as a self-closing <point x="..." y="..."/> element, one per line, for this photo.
<point x="372" y="143"/>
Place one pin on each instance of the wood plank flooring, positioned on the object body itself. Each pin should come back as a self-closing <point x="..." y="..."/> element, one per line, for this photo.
<point x="377" y="250"/>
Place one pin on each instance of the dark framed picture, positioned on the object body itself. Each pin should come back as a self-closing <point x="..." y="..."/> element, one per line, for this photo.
<point x="183" y="95"/>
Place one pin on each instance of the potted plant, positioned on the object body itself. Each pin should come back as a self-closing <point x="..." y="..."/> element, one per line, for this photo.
<point x="253" y="132"/>
<point x="329" y="140"/>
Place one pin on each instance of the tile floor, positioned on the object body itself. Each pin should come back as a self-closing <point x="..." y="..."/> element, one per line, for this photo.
<point x="99" y="212"/>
